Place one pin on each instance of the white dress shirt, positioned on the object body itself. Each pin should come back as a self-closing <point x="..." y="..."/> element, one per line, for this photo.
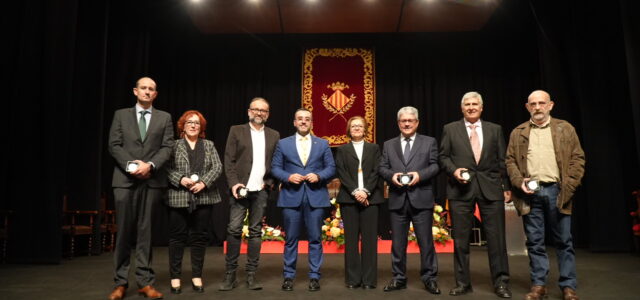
<point x="359" y="147"/>
<point x="300" y="147"/>
<point x="478" y="130"/>
<point x="258" y="166"/>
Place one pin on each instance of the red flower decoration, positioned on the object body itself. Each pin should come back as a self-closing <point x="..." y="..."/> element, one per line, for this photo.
<point x="636" y="227"/>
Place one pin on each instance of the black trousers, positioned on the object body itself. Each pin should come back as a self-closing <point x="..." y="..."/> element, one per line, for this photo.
<point x="360" y="222"/>
<point x="181" y="224"/>
<point x="492" y="214"/>
<point x="255" y="203"/>
<point x="134" y="211"/>
<point x="422" y="220"/>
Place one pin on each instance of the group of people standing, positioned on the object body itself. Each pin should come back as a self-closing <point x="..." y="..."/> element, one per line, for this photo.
<point x="482" y="171"/>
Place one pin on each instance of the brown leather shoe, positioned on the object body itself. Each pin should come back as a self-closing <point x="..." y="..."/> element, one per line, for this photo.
<point x="150" y="292"/>
<point x="537" y="292"/>
<point x="118" y="293"/>
<point x="569" y="294"/>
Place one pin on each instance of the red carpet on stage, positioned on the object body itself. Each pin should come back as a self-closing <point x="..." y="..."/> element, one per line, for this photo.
<point x="384" y="246"/>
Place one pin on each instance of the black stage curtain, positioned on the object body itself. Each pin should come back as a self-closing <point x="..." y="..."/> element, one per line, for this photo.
<point x="71" y="64"/>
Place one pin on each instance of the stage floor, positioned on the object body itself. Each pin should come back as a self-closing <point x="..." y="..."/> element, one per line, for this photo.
<point x="600" y="276"/>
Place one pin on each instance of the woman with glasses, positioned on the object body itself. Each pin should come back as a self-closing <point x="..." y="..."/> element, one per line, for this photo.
<point x="193" y="168"/>
<point x="359" y="197"/>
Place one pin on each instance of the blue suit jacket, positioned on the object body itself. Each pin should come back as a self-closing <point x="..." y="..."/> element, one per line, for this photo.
<point x="286" y="161"/>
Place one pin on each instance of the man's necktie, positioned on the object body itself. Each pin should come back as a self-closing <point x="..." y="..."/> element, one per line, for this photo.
<point x="407" y="149"/>
<point x="142" y="124"/>
<point x="305" y="150"/>
<point x="475" y="143"/>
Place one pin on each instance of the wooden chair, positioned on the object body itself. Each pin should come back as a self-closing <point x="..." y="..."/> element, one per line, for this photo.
<point x="4" y="232"/>
<point x="78" y="223"/>
<point x="108" y="227"/>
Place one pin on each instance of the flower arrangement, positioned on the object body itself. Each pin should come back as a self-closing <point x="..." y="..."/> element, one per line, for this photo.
<point x="333" y="227"/>
<point x="439" y="229"/>
<point x="268" y="233"/>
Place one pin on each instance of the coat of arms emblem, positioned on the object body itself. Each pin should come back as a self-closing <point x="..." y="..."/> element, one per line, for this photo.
<point x="338" y="103"/>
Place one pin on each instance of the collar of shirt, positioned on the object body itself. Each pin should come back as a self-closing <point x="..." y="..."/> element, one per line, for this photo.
<point x="477" y="123"/>
<point x="299" y="137"/>
<point x="256" y="129"/>
<point x="139" y="109"/>
<point x="412" y="138"/>
<point x="544" y="125"/>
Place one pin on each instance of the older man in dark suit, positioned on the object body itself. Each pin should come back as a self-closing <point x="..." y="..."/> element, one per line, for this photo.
<point x="247" y="164"/>
<point x="304" y="165"/>
<point x="472" y="153"/>
<point x="140" y="141"/>
<point x="409" y="164"/>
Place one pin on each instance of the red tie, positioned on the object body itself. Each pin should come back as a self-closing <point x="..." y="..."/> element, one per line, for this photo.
<point x="475" y="143"/>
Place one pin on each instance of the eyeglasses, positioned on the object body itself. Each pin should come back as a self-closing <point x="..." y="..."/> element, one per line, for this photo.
<point x="193" y="123"/>
<point x="357" y="126"/>
<point x="257" y="110"/>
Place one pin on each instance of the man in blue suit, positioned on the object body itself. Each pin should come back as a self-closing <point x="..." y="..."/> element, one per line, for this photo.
<point x="411" y="199"/>
<point x="304" y="165"/>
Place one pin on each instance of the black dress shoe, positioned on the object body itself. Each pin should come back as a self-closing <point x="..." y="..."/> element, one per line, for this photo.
<point x="176" y="290"/>
<point x="287" y="285"/>
<point x="395" y="285"/>
<point x="314" y="285"/>
<point x="197" y="288"/>
<point x="368" y="286"/>
<point x="460" y="290"/>
<point x="353" y="286"/>
<point x="503" y="291"/>
<point x="432" y="287"/>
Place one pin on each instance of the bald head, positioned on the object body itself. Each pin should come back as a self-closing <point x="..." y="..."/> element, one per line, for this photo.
<point x="540" y="94"/>
<point x="539" y="105"/>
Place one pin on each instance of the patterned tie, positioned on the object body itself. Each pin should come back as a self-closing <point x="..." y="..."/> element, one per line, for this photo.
<point x="305" y="150"/>
<point x="142" y="124"/>
<point x="407" y="149"/>
<point x="475" y="143"/>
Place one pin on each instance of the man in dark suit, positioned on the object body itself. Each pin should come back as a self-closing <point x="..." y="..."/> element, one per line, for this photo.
<point x="412" y="200"/>
<point x="472" y="153"/>
<point x="140" y="141"/>
<point x="304" y="165"/>
<point x="247" y="164"/>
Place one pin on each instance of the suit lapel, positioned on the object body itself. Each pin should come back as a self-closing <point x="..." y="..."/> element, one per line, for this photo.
<point x="485" y="138"/>
<point x="414" y="148"/>
<point x="134" y="120"/>
<point x="153" y="123"/>
<point x="398" y="147"/>
<point x="246" y="132"/>
<point x="181" y="152"/>
<point x="292" y="148"/>
<point x="351" y="150"/>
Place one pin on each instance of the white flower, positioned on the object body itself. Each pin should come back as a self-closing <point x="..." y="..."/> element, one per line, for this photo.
<point x="335" y="232"/>
<point x="335" y="223"/>
<point x="270" y="228"/>
<point x="436" y="218"/>
<point x="333" y="201"/>
<point x="263" y="232"/>
<point x="410" y="225"/>
<point x="437" y="208"/>
<point x="276" y="232"/>
<point x="338" y="215"/>
<point x="245" y="230"/>
<point x="325" y="228"/>
<point x="435" y="230"/>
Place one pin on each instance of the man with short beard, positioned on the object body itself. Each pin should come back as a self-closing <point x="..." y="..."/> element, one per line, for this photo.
<point x="304" y="164"/>
<point x="247" y="164"/>
<point x="546" y="150"/>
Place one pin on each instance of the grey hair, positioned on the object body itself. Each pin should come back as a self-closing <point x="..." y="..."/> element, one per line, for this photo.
<point x="470" y="95"/>
<point x="409" y="110"/>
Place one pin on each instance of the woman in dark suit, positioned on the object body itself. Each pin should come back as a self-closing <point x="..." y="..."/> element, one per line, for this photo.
<point x="193" y="168"/>
<point x="359" y="197"/>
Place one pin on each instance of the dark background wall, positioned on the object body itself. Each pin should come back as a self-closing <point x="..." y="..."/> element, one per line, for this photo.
<point x="69" y="65"/>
